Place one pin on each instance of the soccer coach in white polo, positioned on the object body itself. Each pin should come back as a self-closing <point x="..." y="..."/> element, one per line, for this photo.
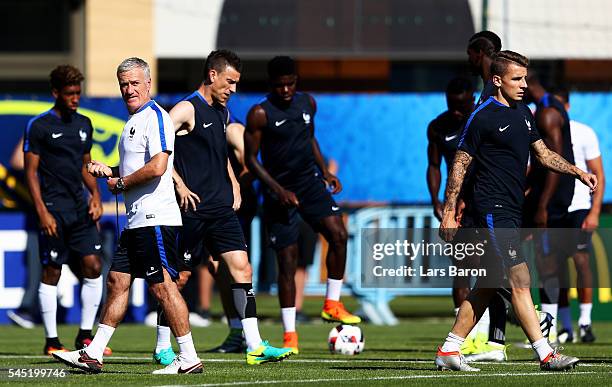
<point x="148" y="245"/>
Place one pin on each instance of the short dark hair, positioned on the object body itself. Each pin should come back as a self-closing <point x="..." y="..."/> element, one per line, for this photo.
<point x="281" y="65"/>
<point x="65" y="75"/>
<point x="485" y="41"/>
<point x="218" y="60"/>
<point x="561" y="92"/>
<point x="459" y="85"/>
<point x="502" y="59"/>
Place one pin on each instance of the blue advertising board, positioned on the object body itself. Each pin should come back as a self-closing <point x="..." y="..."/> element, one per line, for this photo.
<point x="378" y="140"/>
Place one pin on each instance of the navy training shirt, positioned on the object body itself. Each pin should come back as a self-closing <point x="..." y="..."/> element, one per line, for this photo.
<point x="446" y="132"/>
<point x="286" y="141"/>
<point x="201" y="159"/>
<point x="60" y="142"/>
<point x="499" y="137"/>
<point x="562" y="197"/>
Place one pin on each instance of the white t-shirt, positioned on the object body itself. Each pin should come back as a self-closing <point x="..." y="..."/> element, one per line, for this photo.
<point x="586" y="147"/>
<point x="148" y="132"/>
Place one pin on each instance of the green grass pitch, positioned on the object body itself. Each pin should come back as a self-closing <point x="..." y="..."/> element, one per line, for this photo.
<point x="399" y="355"/>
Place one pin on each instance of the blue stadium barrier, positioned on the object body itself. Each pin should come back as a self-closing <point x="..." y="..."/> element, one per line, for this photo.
<point x="375" y="300"/>
<point x="15" y="232"/>
<point x="378" y="140"/>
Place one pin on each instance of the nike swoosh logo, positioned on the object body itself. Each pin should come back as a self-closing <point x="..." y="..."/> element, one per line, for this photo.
<point x="151" y="273"/>
<point x="97" y="247"/>
<point x="335" y="208"/>
<point x="448" y="138"/>
<point x="279" y="123"/>
<point x="206" y="125"/>
<point x="196" y="368"/>
<point x="57" y="135"/>
<point x="504" y="128"/>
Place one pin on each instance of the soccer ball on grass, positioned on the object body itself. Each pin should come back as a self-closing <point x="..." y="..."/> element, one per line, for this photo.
<point x="346" y="340"/>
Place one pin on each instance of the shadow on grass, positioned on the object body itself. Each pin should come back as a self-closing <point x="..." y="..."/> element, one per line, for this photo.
<point x="426" y="339"/>
<point x="379" y="368"/>
<point x="387" y="360"/>
<point x="106" y="362"/>
<point x="397" y="350"/>
<point x="81" y="372"/>
<point x="50" y="361"/>
<point x="595" y="360"/>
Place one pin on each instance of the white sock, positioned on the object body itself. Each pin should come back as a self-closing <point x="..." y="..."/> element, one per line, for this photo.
<point x="288" y="316"/>
<point x="585" y="314"/>
<point x="47" y="296"/>
<point x="333" y="290"/>
<point x="251" y="333"/>
<point x="187" y="352"/>
<point x="100" y="341"/>
<point x="91" y="294"/>
<point x="235" y="323"/>
<point x="542" y="348"/>
<point x="482" y="328"/>
<point x="163" y="338"/>
<point x="453" y="343"/>
<point x="552" y="309"/>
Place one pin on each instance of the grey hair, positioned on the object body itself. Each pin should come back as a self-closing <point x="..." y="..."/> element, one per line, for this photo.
<point x="132" y="63"/>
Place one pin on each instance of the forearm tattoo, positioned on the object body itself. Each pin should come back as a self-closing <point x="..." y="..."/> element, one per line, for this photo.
<point x="455" y="180"/>
<point x="552" y="160"/>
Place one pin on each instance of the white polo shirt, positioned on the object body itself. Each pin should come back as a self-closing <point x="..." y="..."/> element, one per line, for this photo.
<point x="148" y="132"/>
<point x="586" y="147"/>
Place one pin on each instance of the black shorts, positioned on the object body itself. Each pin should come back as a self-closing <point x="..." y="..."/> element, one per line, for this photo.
<point x="468" y="233"/>
<point x="78" y="236"/>
<point x="307" y="243"/>
<point x="468" y="220"/>
<point x="248" y="208"/>
<point x="143" y="252"/>
<point x="467" y="236"/>
<point x="571" y="238"/>
<point x="201" y="237"/>
<point x="582" y="241"/>
<point x="283" y="224"/>
<point x="503" y="239"/>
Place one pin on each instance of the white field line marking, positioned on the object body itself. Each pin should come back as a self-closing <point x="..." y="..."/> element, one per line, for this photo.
<point x="405" y="377"/>
<point x="348" y="360"/>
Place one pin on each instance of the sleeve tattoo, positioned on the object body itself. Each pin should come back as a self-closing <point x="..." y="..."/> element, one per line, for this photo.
<point x="455" y="180"/>
<point x="553" y="161"/>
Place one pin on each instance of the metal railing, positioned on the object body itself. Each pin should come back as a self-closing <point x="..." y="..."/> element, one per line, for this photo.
<point x="409" y="222"/>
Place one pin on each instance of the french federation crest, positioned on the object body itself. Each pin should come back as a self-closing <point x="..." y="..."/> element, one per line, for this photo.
<point x="306" y="118"/>
<point x="528" y="124"/>
<point x="83" y="135"/>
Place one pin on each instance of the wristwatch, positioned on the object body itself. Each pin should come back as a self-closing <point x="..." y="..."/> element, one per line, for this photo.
<point x="120" y="186"/>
